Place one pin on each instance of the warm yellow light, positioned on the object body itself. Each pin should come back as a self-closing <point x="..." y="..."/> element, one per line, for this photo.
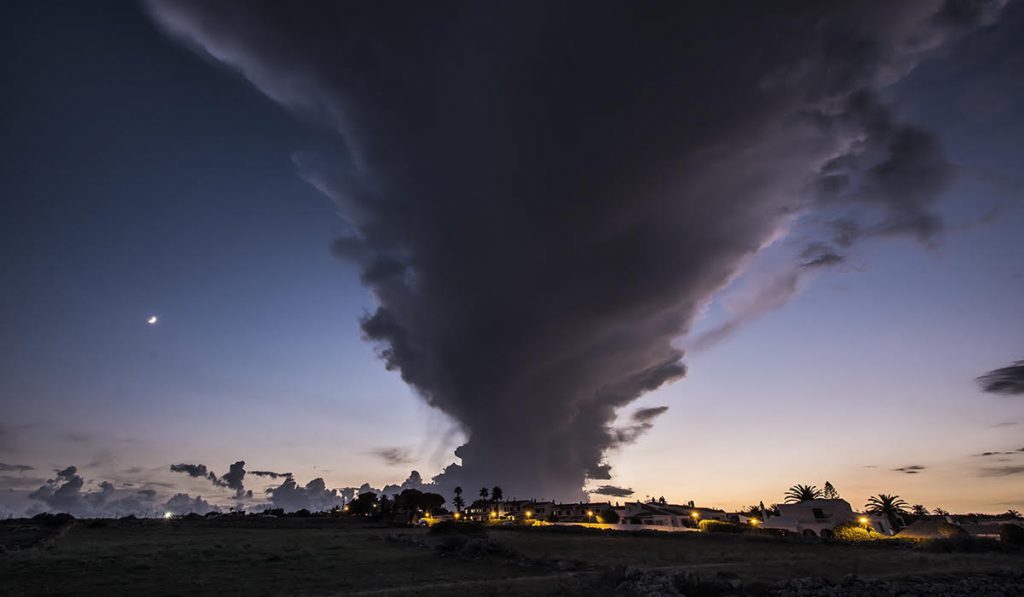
<point x="590" y="512"/>
<point x="863" y="520"/>
<point x="529" y="514"/>
<point x="755" y="521"/>
<point x="457" y="516"/>
<point x="694" y="514"/>
<point x="168" y="515"/>
<point x="494" y="514"/>
<point x="345" y="509"/>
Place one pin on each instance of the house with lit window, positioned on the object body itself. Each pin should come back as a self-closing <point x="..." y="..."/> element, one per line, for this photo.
<point x="817" y="518"/>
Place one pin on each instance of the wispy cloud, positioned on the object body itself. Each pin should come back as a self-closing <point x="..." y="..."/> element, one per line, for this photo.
<point x="613" y="491"/>
<point x="1002" y="471"/>
<point x="393" y="456"/>
<point x="912" y="469"/>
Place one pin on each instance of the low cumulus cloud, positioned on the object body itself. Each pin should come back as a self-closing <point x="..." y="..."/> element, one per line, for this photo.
<point x="314" y="496"/>
<point x="543" y="196"/>
<point x="66" y="493"/>
<point x="1007" y="380"/>
<point x="183" y="503"/>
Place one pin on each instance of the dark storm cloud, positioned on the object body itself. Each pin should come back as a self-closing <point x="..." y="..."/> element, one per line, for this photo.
<point x="613" y="491"/>
<point x="910" y="470"/>
<point x="542" y="195"/>
<point x="20" y="468"/>
<point x="1005" y="380"/>
<point x="393" y="456"/>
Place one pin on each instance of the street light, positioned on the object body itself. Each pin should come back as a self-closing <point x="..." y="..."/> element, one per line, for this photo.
<point x="529" y="514"/>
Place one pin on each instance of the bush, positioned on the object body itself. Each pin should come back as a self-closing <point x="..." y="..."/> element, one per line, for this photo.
<point x="853" y="532"/>
<point x="469" y="529"/>
<point x="55" y="519"/>
<point x="1011" y="534"/>
<point x="718" y="526"/>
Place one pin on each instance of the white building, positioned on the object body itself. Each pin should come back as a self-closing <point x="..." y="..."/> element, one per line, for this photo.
<point x="818" y="517"/>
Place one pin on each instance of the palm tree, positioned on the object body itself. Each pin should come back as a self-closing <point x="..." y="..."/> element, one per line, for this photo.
<point x="919" y="511"/>
<point x="802" y="493"/>
<point x="484" y="492"/>
<point x="940" y="512"/>
<point x="890" y="506"/>
<point x="458" y="502"/>
<point x="1013" y="514"/>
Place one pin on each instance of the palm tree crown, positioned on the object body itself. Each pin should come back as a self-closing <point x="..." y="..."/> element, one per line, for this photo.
<point x="802" y="493"/>
<point x="888" y="505"/>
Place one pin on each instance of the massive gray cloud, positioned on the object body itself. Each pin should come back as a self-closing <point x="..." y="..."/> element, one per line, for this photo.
<point x="542" y="195"/>
<point x="1005" y="380"/>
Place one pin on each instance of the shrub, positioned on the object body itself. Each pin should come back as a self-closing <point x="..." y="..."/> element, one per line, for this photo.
<point x="853" y="532"/>
<point x="1011" y="534"/>
<point x="718" y="526"/>
<point x="447" y="527"/>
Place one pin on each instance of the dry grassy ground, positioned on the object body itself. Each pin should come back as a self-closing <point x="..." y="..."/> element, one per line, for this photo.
<point x="293" y="556"/>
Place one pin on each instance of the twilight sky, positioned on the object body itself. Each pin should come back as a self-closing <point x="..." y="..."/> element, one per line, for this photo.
<point x="373" y="234"/>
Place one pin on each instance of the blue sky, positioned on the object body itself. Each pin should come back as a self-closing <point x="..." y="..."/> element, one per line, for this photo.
<point x="136" y="182"/>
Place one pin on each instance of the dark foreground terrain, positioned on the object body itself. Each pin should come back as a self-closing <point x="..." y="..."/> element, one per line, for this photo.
<point x="324" y="556"/>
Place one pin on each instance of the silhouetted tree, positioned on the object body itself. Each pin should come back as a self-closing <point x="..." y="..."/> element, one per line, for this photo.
<point x="1013" y="514"/>
<point x="609" y="516"/>
<point x="457" y="501"/>
<point x="829" y="492"/>
<point x="940" y="512"/>
<point x="802" y="493"/>
<point x="919" y="511"/>
<point x="890" y="506"/>
<point x="484" y="492"/>
<point x="661" y="500"/>
<point x="365" y="504"/>
<point x="497" y="494"/>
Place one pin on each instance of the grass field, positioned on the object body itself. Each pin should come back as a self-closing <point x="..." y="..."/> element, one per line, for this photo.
<point x="322" y="556"/>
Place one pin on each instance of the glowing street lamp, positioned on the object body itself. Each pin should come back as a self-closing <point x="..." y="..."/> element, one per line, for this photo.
<point x="754" y="522"/>
<point x="863" y="520"/>
<point x="457" y="515"/>
<point x="168" y="515"/>
<point x="529" y="514"/>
